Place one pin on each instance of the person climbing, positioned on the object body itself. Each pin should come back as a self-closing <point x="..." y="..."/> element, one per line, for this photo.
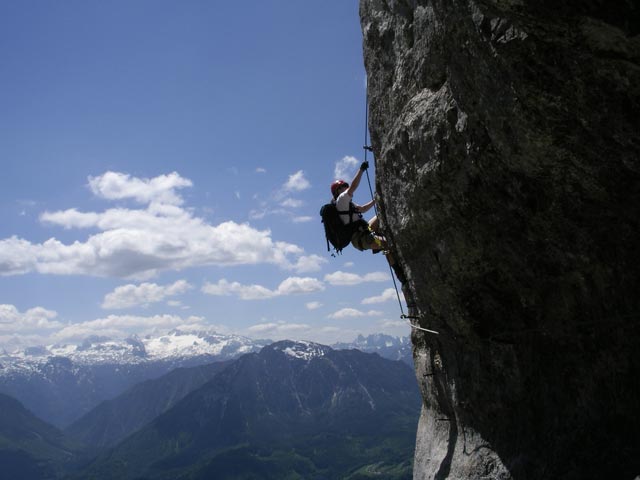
<point x="363" y="235"/>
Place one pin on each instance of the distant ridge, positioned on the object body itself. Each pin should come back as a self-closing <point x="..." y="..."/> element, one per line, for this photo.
<point x="115" y="419"/>
<point x="293" y="408"/>
<point x="60" y="383"/>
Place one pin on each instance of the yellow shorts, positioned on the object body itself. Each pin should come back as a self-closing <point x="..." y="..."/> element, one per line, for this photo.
<point x="366" y="240"/>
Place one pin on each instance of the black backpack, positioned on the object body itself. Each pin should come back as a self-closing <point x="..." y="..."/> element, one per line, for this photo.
<point x="338" y="234"/>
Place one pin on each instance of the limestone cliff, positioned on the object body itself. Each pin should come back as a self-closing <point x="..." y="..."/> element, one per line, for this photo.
<point x="507" y="146"/>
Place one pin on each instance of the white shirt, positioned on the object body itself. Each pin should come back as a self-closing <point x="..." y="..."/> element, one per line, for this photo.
<point x="342" y="204"/>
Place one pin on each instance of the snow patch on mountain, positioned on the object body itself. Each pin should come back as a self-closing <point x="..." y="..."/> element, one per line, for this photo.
<point x="301" y="349"/>
<point x="173" y="346"/>
<point x="393" y="348"/>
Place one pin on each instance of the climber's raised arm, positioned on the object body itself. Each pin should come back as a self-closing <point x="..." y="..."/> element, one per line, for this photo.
<point x="356" y="180"/>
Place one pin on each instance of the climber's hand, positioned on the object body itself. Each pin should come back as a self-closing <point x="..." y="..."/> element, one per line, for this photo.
<point x="364" y="165"/>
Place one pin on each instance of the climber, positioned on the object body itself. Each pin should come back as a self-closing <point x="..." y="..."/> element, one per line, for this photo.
<point x="366" y="235"/>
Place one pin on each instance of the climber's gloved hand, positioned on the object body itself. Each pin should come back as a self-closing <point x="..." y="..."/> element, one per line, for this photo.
<point x="364" y="165"/>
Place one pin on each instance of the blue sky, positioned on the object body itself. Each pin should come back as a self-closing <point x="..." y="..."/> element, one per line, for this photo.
<point x="163" y="166"/>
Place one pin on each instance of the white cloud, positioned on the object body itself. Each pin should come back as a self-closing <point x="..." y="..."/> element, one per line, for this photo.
<point x="32" y="320"/>
<point x="138" y="243"/>
<point x="393" y="323"/>
<point x="345" y="278"/>
<point x="309" y="263"/>
<point x="281" y="330"/>
<point x="71" y="218"/>
<point x="119" y="186"/>
<point x="302" y="219"/>
<point x="388" y="294"/>
<point x="119" y="326"/>
<point x="176" y="303"/>
<point x="278" y="328"/>
<point x="296" y="182"/>
<point x="264" y="211"/>
<point x="290" y="286"/>
<point x="258" y="214"/>
<point x="262" y="327"/>
<point x="353" y="312"/>
<point x="261" y="170"/>
<point x="346" y="168"/>
<point x="313" y="305"/>
<point x="298" y="285"/>
<point x="281" y="203"/>
<point x="39" y="326"/>
<point x="127" y="296"/>
<point x="292" y="203"/>
<point x="245" y="292"/>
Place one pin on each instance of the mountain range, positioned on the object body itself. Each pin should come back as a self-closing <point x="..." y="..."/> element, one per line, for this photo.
<point x="61" y="383"/>
<point x="293" y="410"/>
<point x="393" y="348"/>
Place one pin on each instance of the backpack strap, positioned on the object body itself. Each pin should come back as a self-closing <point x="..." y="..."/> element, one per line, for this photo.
<point x="350" y="212"/>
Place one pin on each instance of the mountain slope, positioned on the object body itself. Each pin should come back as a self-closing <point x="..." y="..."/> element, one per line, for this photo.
<point x="293" y="405"/>
<point x="113" y="420"/>
<point x="30" y="449"/>
<point x="61" y="383"/>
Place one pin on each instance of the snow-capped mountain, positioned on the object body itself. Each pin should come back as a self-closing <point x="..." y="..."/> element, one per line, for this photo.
<point x="301" y="349"/>
<point x="336" y="410"/>
<point x="174" y="346"/>
<point x="59" y="383"/>
<point x="393" y="348"/>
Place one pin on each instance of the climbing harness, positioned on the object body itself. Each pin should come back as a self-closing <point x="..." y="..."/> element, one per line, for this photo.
<point x="367" y="148"/>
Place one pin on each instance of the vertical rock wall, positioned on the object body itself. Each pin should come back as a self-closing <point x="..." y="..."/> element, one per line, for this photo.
<point x="507" y="146"/>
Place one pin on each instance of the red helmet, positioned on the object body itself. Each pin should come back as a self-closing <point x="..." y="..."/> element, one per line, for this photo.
<point x="337" y="184"/>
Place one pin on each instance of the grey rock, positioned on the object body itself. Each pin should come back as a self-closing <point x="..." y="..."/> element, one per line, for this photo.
<point x="506" y="137"/>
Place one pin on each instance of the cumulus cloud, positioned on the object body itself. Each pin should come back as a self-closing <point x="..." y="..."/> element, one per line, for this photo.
<point x="313" y="305"/>
<point x="340" y="278"/>
<point x="34" y="319"/>
<point x="290" y="286"/>
<point x="278" y="328"/>
<point x="353" y="312"/>
<point x="245" y="292"/>
<point x="346" y="168"/>
<point x="127" y="296"/>
<point x="296" y="182"/>
<point x="138" y="243"/>
<point x="120" y="326"/>
<point x="119" y="186"/>
<point x="388" y="294"/>
<point x="309" y="263"/>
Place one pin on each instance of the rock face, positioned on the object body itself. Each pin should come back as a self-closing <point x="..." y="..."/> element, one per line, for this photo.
<point x="507" y="146"/>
